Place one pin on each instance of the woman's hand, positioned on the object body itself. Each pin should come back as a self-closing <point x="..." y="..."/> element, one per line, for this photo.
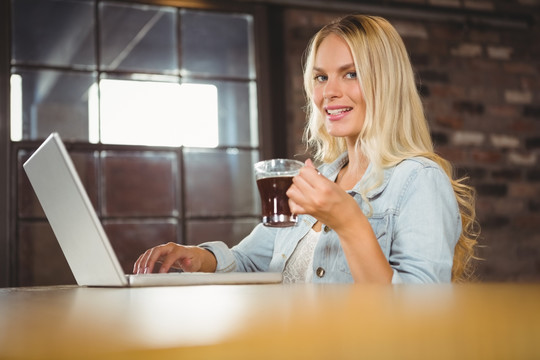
<point x="175" y="256"/>
<point x="313" y="194"/>
<point x="321" y="198"/>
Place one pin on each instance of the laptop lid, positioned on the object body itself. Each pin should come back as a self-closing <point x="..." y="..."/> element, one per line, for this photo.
<point x="72" y="216"/>
<point x="82" y="238"/>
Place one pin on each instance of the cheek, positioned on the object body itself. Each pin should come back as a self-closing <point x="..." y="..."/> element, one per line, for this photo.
<point x="356" y="92"/>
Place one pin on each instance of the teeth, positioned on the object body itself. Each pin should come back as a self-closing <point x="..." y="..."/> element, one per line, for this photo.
<point x="337" y="111"/>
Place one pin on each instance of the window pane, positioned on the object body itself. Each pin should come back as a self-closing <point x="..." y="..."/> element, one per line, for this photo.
<point x="53" y="100"/>
<point x="237" y="104"/>
<point x="216" y="44"/>
<point x="138" y="38"/>
<point x="140" y="184"/>
<point x="228" y="231"/>
<point x="53" y="32"/>
<point x="158" y="113"/>
<point x="130" y="238"/>
<point x="40" y="259"/>
<point x="220" y="183"/>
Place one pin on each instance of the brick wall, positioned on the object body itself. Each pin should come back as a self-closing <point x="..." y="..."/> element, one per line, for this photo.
<point x="481" y="88"/>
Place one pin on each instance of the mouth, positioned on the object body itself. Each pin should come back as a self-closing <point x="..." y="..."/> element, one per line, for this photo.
<point x="338" y="111"/>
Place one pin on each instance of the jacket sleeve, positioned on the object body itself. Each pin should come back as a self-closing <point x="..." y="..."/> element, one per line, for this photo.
<point x="428" y="225"/>
<point x="252" y="254"/>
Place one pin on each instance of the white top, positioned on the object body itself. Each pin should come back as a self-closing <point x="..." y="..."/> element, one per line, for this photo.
<point x="299" y="268"/>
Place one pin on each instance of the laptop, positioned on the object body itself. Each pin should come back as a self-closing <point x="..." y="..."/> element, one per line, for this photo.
<point x="82" y="238"/>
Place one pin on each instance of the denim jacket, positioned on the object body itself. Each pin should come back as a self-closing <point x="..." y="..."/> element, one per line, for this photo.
<point x="414" y="215"/>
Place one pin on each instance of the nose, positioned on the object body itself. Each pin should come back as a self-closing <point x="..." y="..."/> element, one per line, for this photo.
<point x="331" y="89"/>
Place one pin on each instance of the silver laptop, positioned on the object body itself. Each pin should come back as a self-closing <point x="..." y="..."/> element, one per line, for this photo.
<point x="81" y="236"/>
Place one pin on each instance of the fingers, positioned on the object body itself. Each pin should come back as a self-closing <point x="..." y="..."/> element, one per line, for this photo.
<point x="146" y="262"/>
<point x="176" y="258"/>
<point x="306" y="187"/>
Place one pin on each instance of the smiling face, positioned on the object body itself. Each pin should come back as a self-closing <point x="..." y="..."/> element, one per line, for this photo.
<point x="337" y="93"/>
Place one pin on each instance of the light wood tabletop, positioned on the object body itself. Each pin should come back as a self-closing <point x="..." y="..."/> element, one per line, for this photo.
<point x="470" y="321"/>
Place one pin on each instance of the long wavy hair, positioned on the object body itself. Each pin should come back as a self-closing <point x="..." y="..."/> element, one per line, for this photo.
<point x="395" y="127"/>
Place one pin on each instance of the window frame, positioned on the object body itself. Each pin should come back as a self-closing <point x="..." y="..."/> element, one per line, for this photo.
<point x="9" y="150"/>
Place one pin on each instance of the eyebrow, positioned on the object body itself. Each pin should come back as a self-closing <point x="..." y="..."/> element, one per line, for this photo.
<point x="341" y="68"/>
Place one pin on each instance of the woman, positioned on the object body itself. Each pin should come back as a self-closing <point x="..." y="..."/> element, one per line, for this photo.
<point x="383" y="207"/>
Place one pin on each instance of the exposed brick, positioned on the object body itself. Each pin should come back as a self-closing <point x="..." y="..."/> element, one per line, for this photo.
<point x="486" y="156"/>
<point x="449" y="3"/>
<point x="446" y="33"/>
<point x="534" y="205"/>
<point x="532" y="143"/>
<point x="469" y="107"/>
<point x="479" y="5"/>
<point x="510" y="208"/>
<point x="518" y="97"/>
<point x="483" y="36"/>
<point x="410" y="29"/>
<point x="436" y="76"/>
<point x="504" y="110"/>
<point x="468" y="138"/>
<point x="533" y="175"/>
<point x="524" y="190"/>
<point x="531" y="111"/>
<point x="522" y="159"/>
<point x="467" y="50"/>
<point x="453" y="122"/>
<point x="484" y="94"/>
<point x="494" y="221"/>
<point x="453" y="154"/>
<point x="529" y="221"/>
<point x="497" y="190"/>
<point x="506" y="174"/>
<point x="474" y="173"/>
<point x="504" y="141"/>
<point x="447" y="90"/>
<point x="520" y="68"/>
<point x="439" y="139"/>
<point x="484" y="66"/>
<point x="522" y="126"/>
<point x="499" y="52"/>
<point x="531" y="81"/>
<point x="419" y="59"/>
<point x="423" y="90"/>
<point x="412" y="1"/>
<point x="529" y="2"/>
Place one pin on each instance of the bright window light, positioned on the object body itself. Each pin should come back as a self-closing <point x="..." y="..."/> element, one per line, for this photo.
<point x="93" y="116"/>
<point x="16" y="108"/>
<point x="158" y="113"/>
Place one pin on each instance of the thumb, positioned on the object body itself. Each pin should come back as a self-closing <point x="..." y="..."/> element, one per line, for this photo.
<point x="309" y="163"/>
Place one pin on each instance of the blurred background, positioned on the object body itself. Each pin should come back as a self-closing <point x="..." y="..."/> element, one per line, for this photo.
<point x="166" y="105"/>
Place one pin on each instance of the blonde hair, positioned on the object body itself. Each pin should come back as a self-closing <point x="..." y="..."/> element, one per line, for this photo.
<point x="395" y="127"/>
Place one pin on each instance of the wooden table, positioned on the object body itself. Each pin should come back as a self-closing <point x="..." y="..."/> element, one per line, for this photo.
<point x="474" y="321"/>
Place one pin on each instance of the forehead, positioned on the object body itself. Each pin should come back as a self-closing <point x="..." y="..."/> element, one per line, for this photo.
<point x="333" y="50"/>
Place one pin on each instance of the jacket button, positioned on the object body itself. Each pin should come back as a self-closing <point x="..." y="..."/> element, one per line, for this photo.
<point x="320" y="272"/>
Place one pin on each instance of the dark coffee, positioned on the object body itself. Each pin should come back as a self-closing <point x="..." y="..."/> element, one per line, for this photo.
<point x="275" y="203"/>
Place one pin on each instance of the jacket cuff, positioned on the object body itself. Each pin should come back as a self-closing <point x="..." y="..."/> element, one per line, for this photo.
<point x="226" y="262"/>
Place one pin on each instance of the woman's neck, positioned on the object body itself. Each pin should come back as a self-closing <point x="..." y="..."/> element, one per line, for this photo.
<point x="353" y="171"/>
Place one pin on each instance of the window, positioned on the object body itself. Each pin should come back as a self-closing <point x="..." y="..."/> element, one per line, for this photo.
<point x="63" y="82"/>
<point x="159" y="106"/>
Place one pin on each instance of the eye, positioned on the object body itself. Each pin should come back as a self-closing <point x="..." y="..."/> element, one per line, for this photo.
<point x="320" y="78"/>
<point x="351" y="75"/>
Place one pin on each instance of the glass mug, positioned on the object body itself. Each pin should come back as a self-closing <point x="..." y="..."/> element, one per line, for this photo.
<point x="274" y="177"/>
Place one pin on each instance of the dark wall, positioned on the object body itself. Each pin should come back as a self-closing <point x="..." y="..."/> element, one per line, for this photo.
<point x="478" y="64"/>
